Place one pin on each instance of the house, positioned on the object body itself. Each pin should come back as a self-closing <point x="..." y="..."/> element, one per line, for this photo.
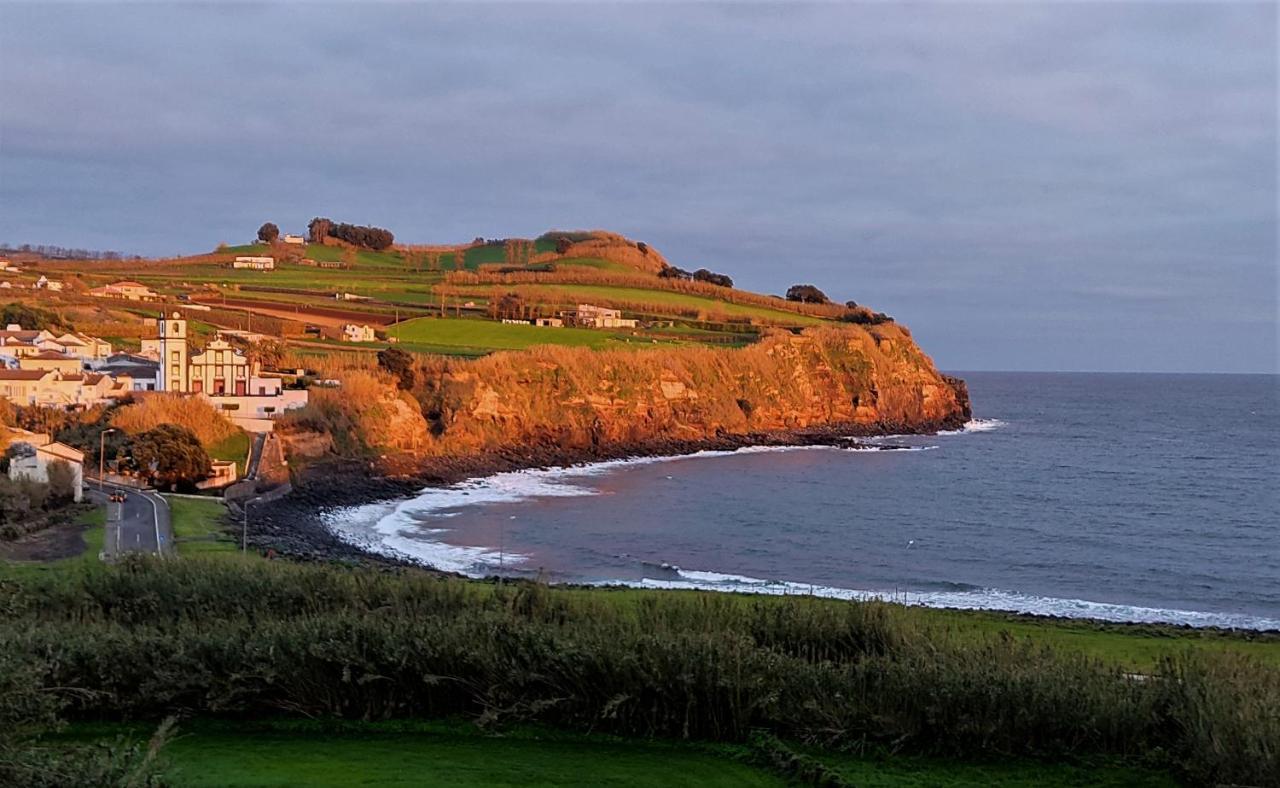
<point x="353" y="333"/>
<point x="33" y="465"/>
<point x="254" y="263"/>
<point x="50" y="359"/>
<point x="142" y="372"/>
<point x="18" y="342"/>
<point x="126" y="291"/>
<point x="295" y="240"/>
<point x="45" y="283"/>
<point x="84" y="346"/>
<point x="52" y="388"/>
<point x="551" y="322"/>
<point x="591" y="316"/>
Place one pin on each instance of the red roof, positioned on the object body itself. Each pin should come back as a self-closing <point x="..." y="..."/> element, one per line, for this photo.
<point x="23" y="374"/>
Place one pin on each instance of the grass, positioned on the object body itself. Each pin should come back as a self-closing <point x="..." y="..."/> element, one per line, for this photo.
<point x="323" y="753"/>
<point x="94" y="535"/>
<point x="234" y="447"/>
<point x="658" y="300"/>
<point x="492" y="335"/>
<point x="198" y="526"/>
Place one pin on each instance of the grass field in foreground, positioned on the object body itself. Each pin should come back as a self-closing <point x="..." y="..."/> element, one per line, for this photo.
<point x="411" y="753"/>
<point x="494" y="335"/>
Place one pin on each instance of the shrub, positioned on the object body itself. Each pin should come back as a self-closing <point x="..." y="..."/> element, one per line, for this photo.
<point x="807" y="294"/>
<point x="194" y="414"/>
<point x="169" y="455"/>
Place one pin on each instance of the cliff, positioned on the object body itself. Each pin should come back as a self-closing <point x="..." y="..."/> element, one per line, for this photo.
<point x="857" y="379"/>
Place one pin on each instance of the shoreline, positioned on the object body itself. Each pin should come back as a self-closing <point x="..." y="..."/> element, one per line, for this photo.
<point x="292" y="525"/>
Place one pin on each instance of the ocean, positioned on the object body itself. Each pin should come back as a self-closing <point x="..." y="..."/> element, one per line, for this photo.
<point x="1122" y="497"/>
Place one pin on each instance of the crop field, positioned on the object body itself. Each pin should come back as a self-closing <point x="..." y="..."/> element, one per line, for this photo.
<point x="496" y="336"/>
<point x="661" y="301"/>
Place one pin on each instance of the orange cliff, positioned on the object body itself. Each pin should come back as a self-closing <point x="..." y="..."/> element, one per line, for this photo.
<point x="550" y="403"/>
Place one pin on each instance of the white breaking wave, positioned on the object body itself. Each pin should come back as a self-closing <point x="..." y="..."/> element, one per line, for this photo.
<point x="976" y="425"/>
<point x="981" y="599"/>
<point x="397" y="528"/>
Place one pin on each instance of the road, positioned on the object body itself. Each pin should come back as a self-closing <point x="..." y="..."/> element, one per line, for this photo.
<point x="139" y="525"/>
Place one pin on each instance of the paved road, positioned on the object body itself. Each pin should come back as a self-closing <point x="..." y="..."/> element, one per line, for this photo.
<point x="139" y="525"/>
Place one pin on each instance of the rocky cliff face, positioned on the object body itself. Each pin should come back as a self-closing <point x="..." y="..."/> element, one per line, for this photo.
<point x="861" y="379"/>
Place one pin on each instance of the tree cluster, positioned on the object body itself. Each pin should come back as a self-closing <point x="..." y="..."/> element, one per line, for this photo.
<point x="711" y="277"/>
<point x="807" y="294"/>
<point x="860" y="317"/>
<point x="268" y="233"/>
<point x="64" y="253"/>
<point x="169" y="455"/>
<point x="360" y="235"/>
<point x="32" y="317"/>
<point x="400" y="365"/>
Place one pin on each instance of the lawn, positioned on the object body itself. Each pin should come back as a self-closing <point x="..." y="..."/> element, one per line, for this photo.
<point x="198" y="526"/>
<point x="492" y="335"/>
<point x="330" y="753"/>
<point x="234" y="447"/>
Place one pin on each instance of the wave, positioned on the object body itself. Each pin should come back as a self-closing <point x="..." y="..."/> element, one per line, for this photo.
<point x="397" y="528"/>
<point x="976" y="425"/>
<point x="964" y="598"/>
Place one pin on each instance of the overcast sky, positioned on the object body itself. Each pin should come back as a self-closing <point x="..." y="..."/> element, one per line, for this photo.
<point x="1078" y="186"/>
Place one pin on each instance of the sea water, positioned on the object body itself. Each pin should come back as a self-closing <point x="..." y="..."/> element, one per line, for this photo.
<point x="1122" y="497"/>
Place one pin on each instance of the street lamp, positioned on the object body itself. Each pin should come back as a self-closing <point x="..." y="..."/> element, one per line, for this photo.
<point x="244" y="530"/>
<point x="102" y="455"/>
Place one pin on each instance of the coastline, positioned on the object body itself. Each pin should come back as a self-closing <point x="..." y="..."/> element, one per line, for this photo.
<point x="293" y="526"/>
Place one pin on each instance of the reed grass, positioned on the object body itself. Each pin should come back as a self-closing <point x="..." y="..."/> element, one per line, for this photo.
<point x="144" y="641"/>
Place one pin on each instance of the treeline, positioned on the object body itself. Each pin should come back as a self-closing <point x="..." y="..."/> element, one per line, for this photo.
<point x="368" y="237"/>
<point x="65" y="253"/>
<point x="145" y="640"/>
<point x="701" y="275"/>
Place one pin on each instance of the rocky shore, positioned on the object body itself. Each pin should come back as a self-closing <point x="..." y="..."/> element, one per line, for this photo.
<point x="293" y="526"/>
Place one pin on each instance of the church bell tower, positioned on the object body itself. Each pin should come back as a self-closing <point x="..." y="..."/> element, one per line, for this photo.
<point x="173" y="353"/>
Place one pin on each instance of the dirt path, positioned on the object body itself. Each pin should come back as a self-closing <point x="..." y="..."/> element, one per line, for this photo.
<point x="64" y="540"/>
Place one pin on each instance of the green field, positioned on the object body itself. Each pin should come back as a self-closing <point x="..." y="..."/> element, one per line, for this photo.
<point x="490" y="335"/>
<point x="659" y="300"/>
<point x="198" y="526"/>
<point x="412" y="753"/>
<point x="235" y="447"/>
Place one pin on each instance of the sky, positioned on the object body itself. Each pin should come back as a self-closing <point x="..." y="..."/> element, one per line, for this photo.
<point x="1028" y="186"/>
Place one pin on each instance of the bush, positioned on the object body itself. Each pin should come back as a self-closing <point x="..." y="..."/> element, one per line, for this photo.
<point x="807" y="294"/>
<point x="710" y="277"/>
<point x="195" y="414"/>
<point x="144" y="639"/>
<point x="169" y="455"/>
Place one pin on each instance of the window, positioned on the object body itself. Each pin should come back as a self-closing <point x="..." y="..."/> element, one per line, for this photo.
<point x="173" y="356"/>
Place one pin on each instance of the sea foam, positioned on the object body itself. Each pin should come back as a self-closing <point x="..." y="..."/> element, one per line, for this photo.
<point x="977" y="599"/>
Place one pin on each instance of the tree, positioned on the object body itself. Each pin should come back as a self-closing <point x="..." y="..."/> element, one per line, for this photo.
<point x="807" y="294"/>
<point x="399" y="364"/>
<point x="710" y="277"/>
<point x="268" y="233"/>
<point x="62" y="481"/>
<point x="562" y="245"/>
<point x="318" y="229"/>
<point x="170" y="455"/>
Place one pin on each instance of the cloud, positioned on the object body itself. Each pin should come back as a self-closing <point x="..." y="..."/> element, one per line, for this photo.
<point x="968" y="168"/>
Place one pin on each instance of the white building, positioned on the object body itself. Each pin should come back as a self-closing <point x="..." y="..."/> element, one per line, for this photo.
<point x="34" y="465"/>
<point x="45" y="283"/>
<point x="255" y="263"/>
<point x="353" y="333"/>
<point x="592" y="316"/>
<point x="295" y="240"/>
